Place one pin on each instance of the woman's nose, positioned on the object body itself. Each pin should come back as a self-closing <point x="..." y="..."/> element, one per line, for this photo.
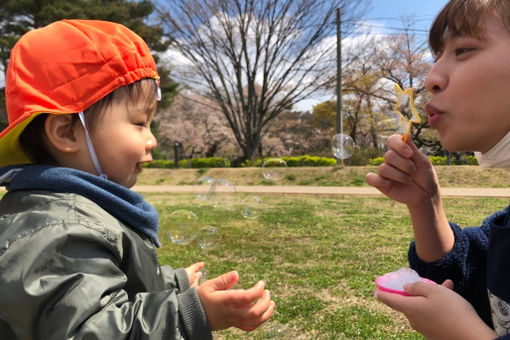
<point x="437" y="79"/>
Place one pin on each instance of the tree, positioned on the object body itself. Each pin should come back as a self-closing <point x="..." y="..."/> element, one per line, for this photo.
<point x="197" y="125"/>
<point x="324" y="115"/>
<point x="372" y="67"/>
<point x="20" y="16"/>
<point x="256" y="58"/>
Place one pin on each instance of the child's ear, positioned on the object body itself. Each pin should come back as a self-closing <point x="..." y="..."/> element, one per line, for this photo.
<point x="61" y="133"/>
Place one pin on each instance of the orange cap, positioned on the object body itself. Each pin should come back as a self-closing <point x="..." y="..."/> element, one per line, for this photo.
<point x="66" y="67"/>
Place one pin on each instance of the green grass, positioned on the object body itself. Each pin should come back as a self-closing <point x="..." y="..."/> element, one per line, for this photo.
<point x="449" y="176"/>
<point x="318" y="254"/>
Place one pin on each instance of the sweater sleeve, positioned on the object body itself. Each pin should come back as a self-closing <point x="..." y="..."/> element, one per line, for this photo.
<point x="70" y="276"/>
<point x="465" y="265"/>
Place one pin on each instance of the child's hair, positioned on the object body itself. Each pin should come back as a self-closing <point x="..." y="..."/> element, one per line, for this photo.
<point x="31" y="139"/>
<point x="465" y="18"/>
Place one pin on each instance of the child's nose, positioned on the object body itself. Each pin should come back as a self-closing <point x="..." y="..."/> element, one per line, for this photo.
<point x="151" y="143"/>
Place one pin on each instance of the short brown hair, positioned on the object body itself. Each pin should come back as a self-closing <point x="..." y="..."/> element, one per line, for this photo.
<point x="465" y="17"/>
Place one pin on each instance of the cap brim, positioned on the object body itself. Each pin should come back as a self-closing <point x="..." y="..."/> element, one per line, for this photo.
<point x="10" y="150"/>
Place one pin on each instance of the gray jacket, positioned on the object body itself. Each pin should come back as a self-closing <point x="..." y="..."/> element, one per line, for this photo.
<point x="70" y="270"/>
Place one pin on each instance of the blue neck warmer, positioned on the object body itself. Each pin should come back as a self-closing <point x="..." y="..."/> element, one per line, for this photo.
<point x="123" y="203"/>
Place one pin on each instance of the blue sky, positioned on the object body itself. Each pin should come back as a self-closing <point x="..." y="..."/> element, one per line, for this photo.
<point x="389" y="13"/>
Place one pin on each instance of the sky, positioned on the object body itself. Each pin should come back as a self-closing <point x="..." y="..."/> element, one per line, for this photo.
<point x="389" y="13"/>
<point x="387" y="17"/>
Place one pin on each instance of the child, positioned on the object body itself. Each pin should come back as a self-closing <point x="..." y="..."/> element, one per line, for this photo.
<point x="470" y="108"/>
<point x="77" y="247"/>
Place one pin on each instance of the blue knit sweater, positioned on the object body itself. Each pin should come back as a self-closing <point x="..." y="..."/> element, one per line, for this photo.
<point x="479" y="265"/>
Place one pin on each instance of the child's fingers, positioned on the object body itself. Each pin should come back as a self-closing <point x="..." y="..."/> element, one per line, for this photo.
<point x="256" y="310"/>
<point x="259" y="313"/>
<point x="253" y="324"/>
<point x="241" y="297"/>
<point x="195" y="267"/>
<point x="222" y="282"/>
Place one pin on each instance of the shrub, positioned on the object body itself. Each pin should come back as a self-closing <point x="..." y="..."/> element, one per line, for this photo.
<point x="212" y="162"/>
<point x="295" y="161"/>
<point x="376" y="161"/>
<point x="438" y="160"/>
<point x="470" y="160"/>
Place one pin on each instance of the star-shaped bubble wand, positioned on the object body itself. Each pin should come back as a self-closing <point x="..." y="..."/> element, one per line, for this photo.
<point x="402" y="99"/>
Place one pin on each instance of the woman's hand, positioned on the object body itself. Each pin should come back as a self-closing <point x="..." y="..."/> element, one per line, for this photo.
<point x="406" y="175"/>
<point x="437" y="312"/>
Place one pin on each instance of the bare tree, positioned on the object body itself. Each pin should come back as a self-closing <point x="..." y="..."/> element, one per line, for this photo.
<point x="256" y="58"/>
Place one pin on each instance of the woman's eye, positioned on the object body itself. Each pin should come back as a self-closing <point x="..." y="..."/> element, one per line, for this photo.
<point x="462" y="50"/>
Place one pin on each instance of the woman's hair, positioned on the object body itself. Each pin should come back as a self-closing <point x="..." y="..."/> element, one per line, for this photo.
<point x="465" y="17"/>
<point x="32" y="138"/>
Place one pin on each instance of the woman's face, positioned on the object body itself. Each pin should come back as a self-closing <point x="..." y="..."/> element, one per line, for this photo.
<point x="470" y="86"/>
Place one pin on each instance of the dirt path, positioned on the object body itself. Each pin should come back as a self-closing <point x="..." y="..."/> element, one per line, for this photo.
<point x="321" y="190"/>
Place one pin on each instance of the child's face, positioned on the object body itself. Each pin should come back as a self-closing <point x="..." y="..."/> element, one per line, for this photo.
<point x="470" y="86"/>
<point x="122" y="137"/>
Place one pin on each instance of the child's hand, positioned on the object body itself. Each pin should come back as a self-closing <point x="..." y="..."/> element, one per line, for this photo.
<point x="406" y="175"/>
<point x="438" y="312"/>
<point x="194" y="273"/>
<point x="225" y="307"/>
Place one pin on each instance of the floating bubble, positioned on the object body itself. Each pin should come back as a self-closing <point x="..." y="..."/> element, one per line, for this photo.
<point x="204" y="188"/>
<point x="207" y="237"/>
<point x="342" y="146"/>
<point x="277" y="332"/>
<point x="224" y="192"/>
<point x="183" y="225"/>
<point x="274" y="169"/>
<point x="203" y="278"/>
<point x="250" y="207"/>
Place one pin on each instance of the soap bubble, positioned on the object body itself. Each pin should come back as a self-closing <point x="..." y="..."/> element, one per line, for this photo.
<point x="204" y="188"/>
<point x="392" y="123"/>
<point x="274" y="169"/>
<point x="342" y="146"/>
<point x="224" y="192"/>
<point x="207" y="237"/>
<point x="183" y="225"/>
<point x="250" y="207"/>
<point x="203" y="278"/>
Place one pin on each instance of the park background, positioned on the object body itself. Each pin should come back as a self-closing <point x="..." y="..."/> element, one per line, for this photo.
<point x="244" y="81"/>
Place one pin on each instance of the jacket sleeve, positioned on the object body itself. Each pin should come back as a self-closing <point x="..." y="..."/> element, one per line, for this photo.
<point x="175" y="279"/>
<point x="465" y="265"/>
<point x="70" y="276"/>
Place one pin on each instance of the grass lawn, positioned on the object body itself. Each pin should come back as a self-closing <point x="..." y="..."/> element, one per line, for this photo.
<point x="318" y="254"/>
<point x="449" y="176"/>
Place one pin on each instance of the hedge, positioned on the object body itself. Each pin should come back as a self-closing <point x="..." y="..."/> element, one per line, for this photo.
<point x="435" y="160"/>
<point x="297" y="161"/>
<point x="211" y="162"/>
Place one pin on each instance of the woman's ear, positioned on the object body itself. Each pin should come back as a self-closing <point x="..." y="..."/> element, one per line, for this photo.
<point x="61" y="133"/>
